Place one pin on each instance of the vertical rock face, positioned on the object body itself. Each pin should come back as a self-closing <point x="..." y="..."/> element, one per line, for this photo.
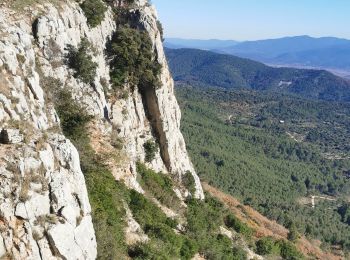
<point x="160" y="111"/>
<point x="44" y="207"/>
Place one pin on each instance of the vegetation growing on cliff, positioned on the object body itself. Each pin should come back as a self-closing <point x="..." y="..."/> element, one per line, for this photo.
<point x="151" y="148"/>
<point x="81" y="61"/>
<point x="133" y="60"/>
<point x="105" y="194"/>
<point x="94" y="11"/>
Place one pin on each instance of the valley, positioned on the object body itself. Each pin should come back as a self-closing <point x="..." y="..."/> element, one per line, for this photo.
<point x="244" y="143"/>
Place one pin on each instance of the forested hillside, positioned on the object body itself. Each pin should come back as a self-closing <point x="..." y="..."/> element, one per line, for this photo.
<point x="274" y="152"/>
<point x="204" y="68"/>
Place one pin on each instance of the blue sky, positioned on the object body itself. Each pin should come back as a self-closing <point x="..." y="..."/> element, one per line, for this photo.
<point x="254" y="19"/>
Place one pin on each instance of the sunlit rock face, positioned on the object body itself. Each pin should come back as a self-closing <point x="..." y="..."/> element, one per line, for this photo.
<point x="44" y="207"/>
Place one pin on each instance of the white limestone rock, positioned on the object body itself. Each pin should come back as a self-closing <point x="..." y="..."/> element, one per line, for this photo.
<point x="2" y="247"/>
<point x="21" y="211"/>
<point x="62" y="239"/>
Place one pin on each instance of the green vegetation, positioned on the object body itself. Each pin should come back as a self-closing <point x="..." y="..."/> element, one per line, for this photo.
<point x="200" y="234"/>
<point x="188" y="182"/>
<point x="107" y="198"/>
<point x="344" y="212"/>
<point x="164" y="241"/>
<point x="288" y="251"/>
<point x="160" y="29"/>
<point x="204" y="68"/>
<point x="203" y="221"/>
<point x="151" y="148"/>
<point x="270" y="246"/>
<point x="266" y="246"/>
<point x="80" y="60"/>
<point x="133" y="60"/>
<point x="94" y="11"/>
<point x="238" y="144"/>
<point x="233" y="222"/>
<point x="105" y="194"/>
<point x="293" y="234"/>
<point x="159" y="185"/>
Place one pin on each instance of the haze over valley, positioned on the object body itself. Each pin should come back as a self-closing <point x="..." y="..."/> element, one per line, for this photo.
<point x="328" y="53"/>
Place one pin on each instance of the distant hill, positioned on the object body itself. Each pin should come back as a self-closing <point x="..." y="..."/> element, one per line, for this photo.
<point x="205" y="68"/>
<point x="177" y="43"/>
<point x="325" y="52"/>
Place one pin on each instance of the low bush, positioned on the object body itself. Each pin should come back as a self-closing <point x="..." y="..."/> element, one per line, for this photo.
<point x="188" y="182"/>
<point x="158" y="185"/>
<point x="293" y="234"/>
<point x="151" y="148"/>
<point x="80" y="60"/>
<point x="73" y="117"/>
<point x="204" y="219"/>
<point x="289" y="251"/>
<point x="161" y="30"/>
<point x="133" y="60"/>
<point x="266" y="246"/>
<point x="232" y="221"/>
<point x="94" y="11"/>
<point x="164" y="241"/>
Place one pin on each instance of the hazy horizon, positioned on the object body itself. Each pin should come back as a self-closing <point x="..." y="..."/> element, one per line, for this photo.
<point x="251" y="20"/>
<point x="262" y="39"/>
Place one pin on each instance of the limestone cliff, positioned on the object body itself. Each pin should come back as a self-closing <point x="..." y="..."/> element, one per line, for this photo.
<point x="44" y="206"/>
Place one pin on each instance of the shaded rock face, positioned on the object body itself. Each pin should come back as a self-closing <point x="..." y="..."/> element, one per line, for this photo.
<point x="44" y="206"/>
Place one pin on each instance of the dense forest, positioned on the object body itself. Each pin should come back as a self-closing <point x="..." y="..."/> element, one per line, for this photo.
<point x="204" y="68"/>
<point x="274" y="152"/>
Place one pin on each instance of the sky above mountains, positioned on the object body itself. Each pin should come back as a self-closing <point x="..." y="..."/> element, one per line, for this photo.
<point x="253" y="19"/>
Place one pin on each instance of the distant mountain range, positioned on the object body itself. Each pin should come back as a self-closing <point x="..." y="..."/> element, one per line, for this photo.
<point x="177" y="43"/>
<point x="205" y="68"/>
<point x="301" y="51"/>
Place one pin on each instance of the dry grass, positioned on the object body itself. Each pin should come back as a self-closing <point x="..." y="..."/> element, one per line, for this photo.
<point x="4" y="86"/>
<point x="24" y="193"/>
<point x="36" y="235"/>
<point x="21" y="5"/>
<point x="43" y="219"/>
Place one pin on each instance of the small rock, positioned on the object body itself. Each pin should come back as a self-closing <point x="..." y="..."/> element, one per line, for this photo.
<point x="21" y="211"/>
<point x="11" y="136"/>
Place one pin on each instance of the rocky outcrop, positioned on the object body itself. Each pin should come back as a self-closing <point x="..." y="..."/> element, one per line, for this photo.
<point x="160" y="112"/>
<point x="44" y="207"/>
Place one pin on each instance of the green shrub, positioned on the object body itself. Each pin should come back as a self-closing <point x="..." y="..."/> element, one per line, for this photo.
<point x="160" y="29"/>
<point x="240" y="227"/>
<point x="189" y="249"/>
<point x="105" y="194"/>
<point x="146" y="213"/>
<point x="80" y="60"/>
<point x="94" y="11"/>
<point x="106" y="198"/>
<point x="293" y="234"/>
<point x="164" y="243"/>
<point x="72" y="116"/>
<point x="132" y="59"/>
<point x="159" y="185"/>
<point x="151" y="148"/>
<point x="266" y="246"/>
<point x="203" y="221"/>
<point x="289" y="251"/>
<point x="188" y="182"/>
